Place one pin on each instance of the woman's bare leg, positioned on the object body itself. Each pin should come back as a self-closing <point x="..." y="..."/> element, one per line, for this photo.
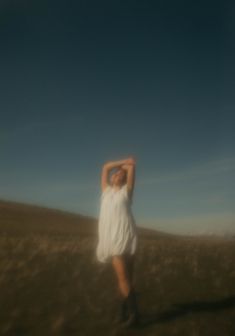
<point x="130" y="258"/>
<point x="121" y="269"/>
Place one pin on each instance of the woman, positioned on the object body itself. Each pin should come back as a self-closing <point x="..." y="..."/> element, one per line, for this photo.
<point x="118" y="233"/>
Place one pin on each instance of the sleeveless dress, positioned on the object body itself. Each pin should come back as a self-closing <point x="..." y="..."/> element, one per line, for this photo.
<point x="117" y="231"/>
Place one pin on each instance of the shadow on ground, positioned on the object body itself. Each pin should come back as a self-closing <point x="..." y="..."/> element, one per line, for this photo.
<point x="181" y="309"/>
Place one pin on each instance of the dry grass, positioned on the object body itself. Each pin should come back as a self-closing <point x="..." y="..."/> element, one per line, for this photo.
<point x="51" y="283"/>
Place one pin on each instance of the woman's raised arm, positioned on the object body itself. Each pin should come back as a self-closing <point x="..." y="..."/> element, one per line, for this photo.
<point x="108" y="166"/>
<point x="130" y="169"/>
<point x="114" y="164"/>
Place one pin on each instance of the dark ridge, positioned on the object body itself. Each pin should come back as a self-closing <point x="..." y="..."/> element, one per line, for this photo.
<point x="18" y="216"/>
<point x="44" y="218"/>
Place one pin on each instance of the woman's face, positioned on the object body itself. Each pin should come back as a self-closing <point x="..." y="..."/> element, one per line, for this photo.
<point x="118" y="177"/>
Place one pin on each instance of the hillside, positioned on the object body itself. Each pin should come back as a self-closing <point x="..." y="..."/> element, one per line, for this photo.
<point x="52" y="284"/>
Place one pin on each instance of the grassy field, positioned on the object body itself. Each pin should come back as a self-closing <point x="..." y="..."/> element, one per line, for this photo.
<point x="52" y="284"/>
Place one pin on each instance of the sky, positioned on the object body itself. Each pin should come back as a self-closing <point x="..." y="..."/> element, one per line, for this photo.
<point x="88" y="82"/>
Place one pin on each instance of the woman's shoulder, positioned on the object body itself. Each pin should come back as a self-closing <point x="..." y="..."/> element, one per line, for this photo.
<point x="127" y="194"/>
<point x="107" y="188"/>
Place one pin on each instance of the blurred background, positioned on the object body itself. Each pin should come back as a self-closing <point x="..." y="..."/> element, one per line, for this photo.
<point x="86" y="82"/>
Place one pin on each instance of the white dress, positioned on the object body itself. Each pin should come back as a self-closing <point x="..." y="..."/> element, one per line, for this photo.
<point x="117" y="231"/>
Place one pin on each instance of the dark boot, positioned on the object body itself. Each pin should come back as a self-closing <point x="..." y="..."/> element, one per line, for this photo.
<point x="134" y="315"/>
<point x="123" y="312"/>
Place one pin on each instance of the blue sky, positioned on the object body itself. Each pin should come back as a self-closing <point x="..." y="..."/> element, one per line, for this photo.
<point x="84" y="83"/>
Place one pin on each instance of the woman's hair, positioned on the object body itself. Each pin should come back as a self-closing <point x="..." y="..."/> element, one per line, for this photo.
<point x="125" y="176"/>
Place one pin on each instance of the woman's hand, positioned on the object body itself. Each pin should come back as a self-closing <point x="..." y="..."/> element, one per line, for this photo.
<point x="125" y="166"/>
<point x="114" y="164"/>
<point x="131" y="161"/>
